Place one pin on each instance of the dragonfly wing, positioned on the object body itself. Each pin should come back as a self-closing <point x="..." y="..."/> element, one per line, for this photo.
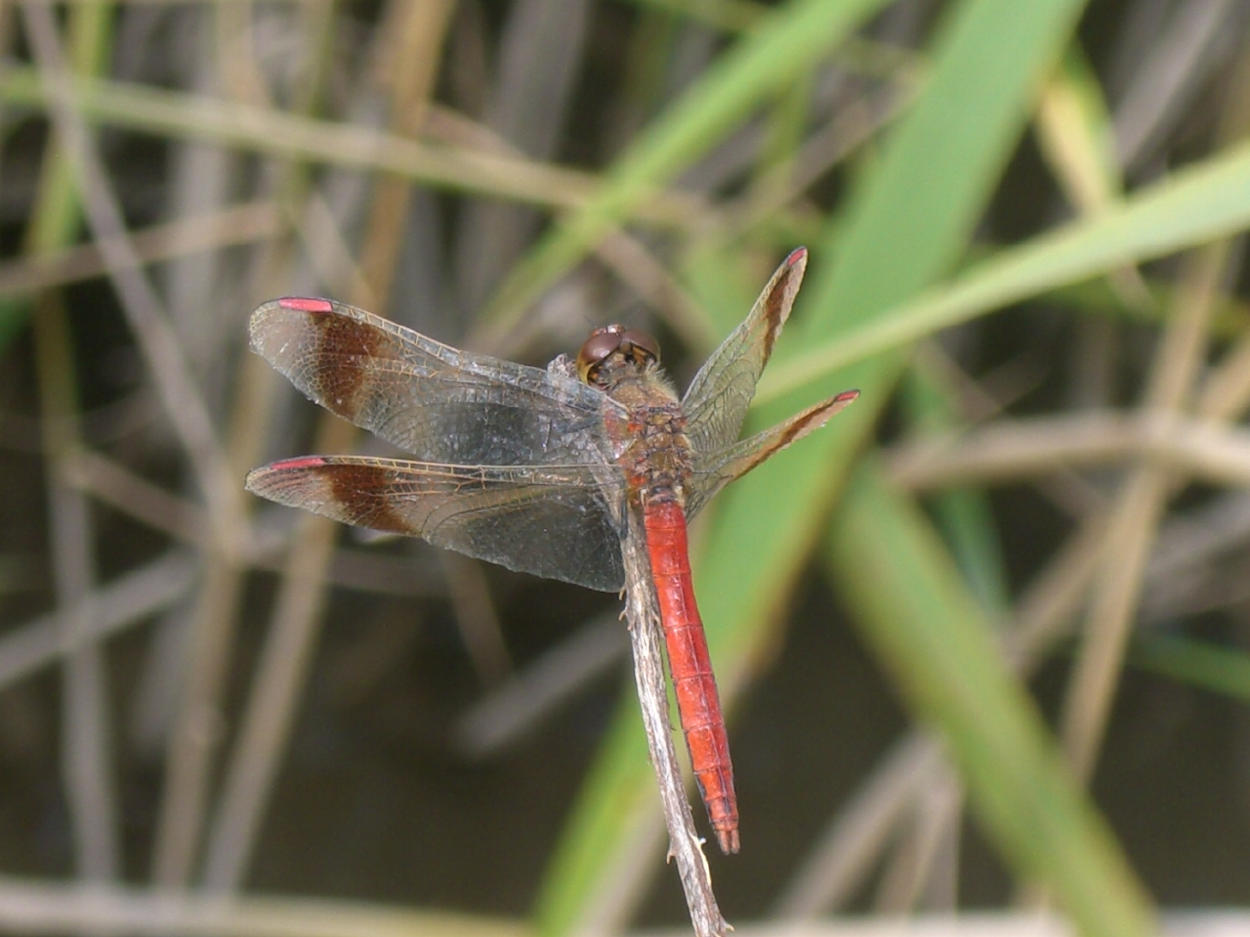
<point x="717" y="399"/>
<point x="558" y="521"/>
<point x="714" y="471"/>
<point x="437" y="402"/>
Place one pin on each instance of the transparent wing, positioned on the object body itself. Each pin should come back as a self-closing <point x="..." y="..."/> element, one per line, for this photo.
<point x="717" y="399"/>
<point x="559" y="521"/>
<point x="437" y="402"/>
<point x="713" y="471"/>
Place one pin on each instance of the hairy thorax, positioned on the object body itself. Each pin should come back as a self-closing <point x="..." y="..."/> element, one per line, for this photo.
<point x="657" y="460"/>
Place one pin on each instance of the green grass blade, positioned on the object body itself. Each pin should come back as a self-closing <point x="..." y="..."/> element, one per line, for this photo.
<point x="932" y="636"/>
<point x="964" y="515"/>
<point x="1075" y="134"/>
<point x="1198" y="204"/>
<point x="1203" y="664"/>
<point x="296" y="137"/>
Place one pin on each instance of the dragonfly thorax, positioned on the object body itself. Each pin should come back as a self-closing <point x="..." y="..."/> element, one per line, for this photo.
<point x="649" y="428"/>
<point x="656" y="456"/>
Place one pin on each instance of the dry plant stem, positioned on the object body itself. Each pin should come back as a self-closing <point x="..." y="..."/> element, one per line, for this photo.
<point x="1165" y="86"/>
<point x="1133" y="523"/>
<point x="941" y="864"/>
<point x="86" y="746"/>
<point x="108" y="482"/>
<point x="779" y="187"/>
<point x="909" y="880"/>
<point x="149" y="323"/>
<point x="237" y="54"/>
<point x="256" y="390"/>
<point x="685" y="846"/>
<point x="194" y="734"/>
<point x="86" y="730"/>
<point x="1045" y="612"/>
<point x="1135" y="517"/>
<point x="1007" y="450"/>
<point x="275" y="691"/>
<point x="31" y="907"/>
<point x="267" y="720"/>
<point x="537" y="72"/>
<point x="476" y="617"/>
<point x="192" y="741"/>
<point x="281" y="676"/>
<point x="1227" y="389"/>
<point x="533" y="692"/>
<point x="326" y="250"/>
<point x="1194" y="539"/>
<point x="1226" y="392"/>
<point x="283" y="135"/>
<point x="213" y="231"/>
<point x="199" y="178"/>
<point x="863" y="828"/>
<point x="292" y="635"/>
<point x="111" y="483"/>
<point x="43" y="641"/>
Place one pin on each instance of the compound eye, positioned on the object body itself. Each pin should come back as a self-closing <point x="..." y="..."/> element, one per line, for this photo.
<point x="602" y="343"/>
<point x="640" y="346"/>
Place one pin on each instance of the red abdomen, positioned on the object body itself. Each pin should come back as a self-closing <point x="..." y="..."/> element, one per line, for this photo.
<point x="691" y="667"/>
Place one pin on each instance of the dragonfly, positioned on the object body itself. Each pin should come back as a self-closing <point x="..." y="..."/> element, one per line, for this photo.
<point x="536" y="469"/>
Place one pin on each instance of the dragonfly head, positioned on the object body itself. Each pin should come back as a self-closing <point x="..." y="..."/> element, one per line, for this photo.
<point x="614" y="348"/>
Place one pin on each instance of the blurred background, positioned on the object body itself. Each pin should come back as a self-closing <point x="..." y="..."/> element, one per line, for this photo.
<point x="982" y="639"/>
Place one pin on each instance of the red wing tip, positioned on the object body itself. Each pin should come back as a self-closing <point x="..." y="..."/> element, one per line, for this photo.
<point x="306" y="304"/>
<point x="846" y="396"/>
<point x="728" y="840"/>
<point x="795" y="256"/>
<point x="299" y="462"/>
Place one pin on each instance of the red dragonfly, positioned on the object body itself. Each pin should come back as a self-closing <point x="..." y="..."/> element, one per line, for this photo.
<point x="536" y="469"/>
